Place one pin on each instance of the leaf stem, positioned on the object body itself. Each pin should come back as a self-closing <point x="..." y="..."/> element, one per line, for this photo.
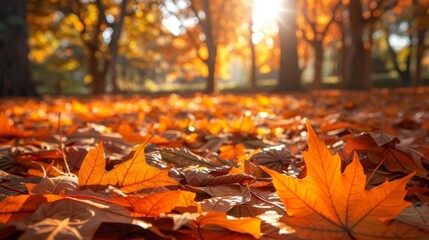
<point x="61" y="143"/>
<point x="375" y="169"/>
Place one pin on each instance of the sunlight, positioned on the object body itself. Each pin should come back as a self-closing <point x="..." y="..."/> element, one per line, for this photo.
<point x="264" y="15"/>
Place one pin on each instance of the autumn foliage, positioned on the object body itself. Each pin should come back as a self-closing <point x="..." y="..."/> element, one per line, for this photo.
<point x="214" y="167"/>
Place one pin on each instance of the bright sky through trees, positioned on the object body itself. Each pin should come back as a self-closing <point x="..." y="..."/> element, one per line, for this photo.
<point x="264" y="16"/>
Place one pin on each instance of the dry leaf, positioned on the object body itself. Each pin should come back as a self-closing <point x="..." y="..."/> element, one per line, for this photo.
<point x="130" y="176"/>
<point x="328" y="204"/>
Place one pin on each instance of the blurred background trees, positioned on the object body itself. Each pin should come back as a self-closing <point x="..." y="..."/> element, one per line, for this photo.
<point x="126" y="46"/>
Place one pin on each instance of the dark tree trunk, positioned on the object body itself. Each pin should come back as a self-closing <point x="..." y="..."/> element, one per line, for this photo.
<point x="114" y="47"/>
<point x="15" y="75"/>
<point x="368" y="55"/>
<point x="356" y="78"/>
<point x="318" y="50"/>
<point x="289" y="76"/>
<point x="212" y="84"/>
<point x="417" y="79"/>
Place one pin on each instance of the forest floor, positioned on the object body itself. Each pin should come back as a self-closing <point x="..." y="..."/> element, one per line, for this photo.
<point x="330" y="164"/>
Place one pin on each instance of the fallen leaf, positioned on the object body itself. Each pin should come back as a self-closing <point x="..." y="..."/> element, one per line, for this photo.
<point x="151" y="205"/>
<point x="131" y="175"/>
<point x="229" y="152"/>
<point x="417" y="214"/>
<point x="54" y="185"/>
<point x="250" y="226"/>
<point x="17" y="208"/>
<point x="72" y="216"/>
<point x="328" y="204"/>
<point x="383" y="148"/>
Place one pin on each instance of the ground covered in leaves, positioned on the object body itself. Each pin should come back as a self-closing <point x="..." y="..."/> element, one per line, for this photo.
<point x="344" y="165"/>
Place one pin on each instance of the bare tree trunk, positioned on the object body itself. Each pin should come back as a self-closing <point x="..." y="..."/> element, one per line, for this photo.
<point x="114" y="47"/>
<point x="318" y="50"/>
<point x="356" y="66"/>
<point x="368" y="56"/>
<point x="289" y="78"/>
<point x="212" y="84"/>
<point x="15" y="75"/>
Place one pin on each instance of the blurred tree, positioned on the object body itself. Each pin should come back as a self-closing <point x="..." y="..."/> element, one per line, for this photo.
<point x="91" y="35"/>
<point x="421" y="12"/>
<point x="409" y="22"/>
<point x="363" y="16"/>
<point x="95" y="25"/>
<point x="356" y="63"/>
<point x="317" y="17"/>
<point x="208" y="26"/>
<point x="289" y="78"/>
<point x="15" y="76"/>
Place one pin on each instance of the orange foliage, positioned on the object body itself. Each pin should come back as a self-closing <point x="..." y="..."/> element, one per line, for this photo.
<point x="131" y="175"/>
<point x="328" y="204"/>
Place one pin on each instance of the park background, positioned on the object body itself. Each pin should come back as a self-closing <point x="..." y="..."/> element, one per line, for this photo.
<point x="87" y="47"/>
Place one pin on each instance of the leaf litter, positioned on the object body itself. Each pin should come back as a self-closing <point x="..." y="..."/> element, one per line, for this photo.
<point x="211" y="167"/>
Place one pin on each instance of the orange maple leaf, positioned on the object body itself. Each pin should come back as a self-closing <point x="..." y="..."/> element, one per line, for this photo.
<point x="330" y="205"/>
<point x="131" y="175"/>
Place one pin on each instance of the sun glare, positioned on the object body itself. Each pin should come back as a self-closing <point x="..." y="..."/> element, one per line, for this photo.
<point x="264" y="14"/>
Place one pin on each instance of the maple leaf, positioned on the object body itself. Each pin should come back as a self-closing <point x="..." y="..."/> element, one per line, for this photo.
<point x="328" y="204"/>
<point x="131" y="175"/>
<point x="384" y="148"/>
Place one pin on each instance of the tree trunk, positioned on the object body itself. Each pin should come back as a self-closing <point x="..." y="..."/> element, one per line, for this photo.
<point x="318" y="50"/>
<point x="417" y="79"/>
<point x="212" y="84"/>
<point x="114" y="47"/>
<point x="15" y="74"/>
<point x="368" y="56"/>
<point x="356" y="62"/>
<point x="289" y="78"/>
